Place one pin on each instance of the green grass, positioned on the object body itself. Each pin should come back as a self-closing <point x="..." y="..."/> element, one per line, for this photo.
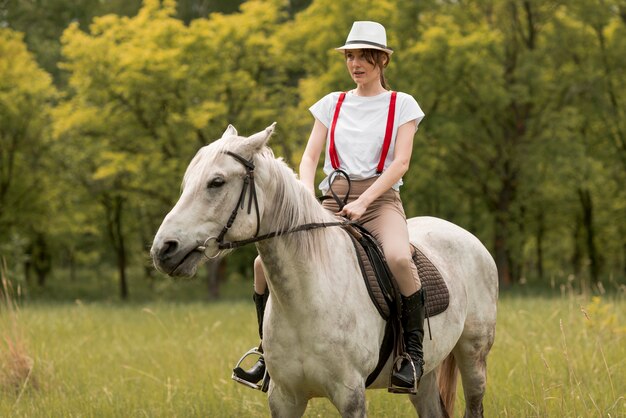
<point x="165" y="359"/>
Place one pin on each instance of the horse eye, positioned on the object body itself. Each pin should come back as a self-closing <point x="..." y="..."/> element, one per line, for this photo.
<point x="215" y="183"/>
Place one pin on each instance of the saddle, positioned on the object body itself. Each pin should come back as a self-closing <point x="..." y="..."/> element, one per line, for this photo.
<point x="383" y="290"/>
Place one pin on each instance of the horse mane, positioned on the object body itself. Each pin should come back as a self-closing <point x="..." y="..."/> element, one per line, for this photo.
<point x="292" y="206"/>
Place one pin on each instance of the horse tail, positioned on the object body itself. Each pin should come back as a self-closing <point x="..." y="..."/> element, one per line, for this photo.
<point x="447" y="375"/>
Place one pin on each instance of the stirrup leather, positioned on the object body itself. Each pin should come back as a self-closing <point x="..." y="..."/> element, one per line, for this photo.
<point x="265" y="381"/>
<point x="397" y="363"/>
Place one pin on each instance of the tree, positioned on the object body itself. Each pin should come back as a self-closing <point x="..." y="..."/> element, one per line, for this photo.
<point x="522" y="144"/>
<point x="495" y="95"/>
<point x="43" y="22"/>
<point x="26" y="95"/>
<point x="147" y="92"/>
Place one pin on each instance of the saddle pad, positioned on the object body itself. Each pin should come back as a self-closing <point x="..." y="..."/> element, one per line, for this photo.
<point x="437" y="295"/>
<point x="379" y="289"/>
<point x="372" y="281"/>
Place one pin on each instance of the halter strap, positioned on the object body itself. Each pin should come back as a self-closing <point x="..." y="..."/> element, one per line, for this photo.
<point x="248" y="185"/>
<point x="332" y="151"/>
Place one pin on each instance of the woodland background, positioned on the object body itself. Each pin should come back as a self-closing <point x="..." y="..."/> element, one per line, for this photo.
<point x="104" y="102"/>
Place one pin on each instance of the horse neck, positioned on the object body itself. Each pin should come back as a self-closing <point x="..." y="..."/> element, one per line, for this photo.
<point x="288" y="204"/>
<point x="299" y="265"/>
<point x="298" y="279"/>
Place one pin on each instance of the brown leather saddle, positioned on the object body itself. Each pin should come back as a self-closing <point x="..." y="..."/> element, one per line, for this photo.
<point x="379" y="280"/>
<point x="383" y="290"/>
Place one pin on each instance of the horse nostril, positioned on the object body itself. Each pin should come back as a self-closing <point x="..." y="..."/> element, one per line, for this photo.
<point x="168" y="248"/>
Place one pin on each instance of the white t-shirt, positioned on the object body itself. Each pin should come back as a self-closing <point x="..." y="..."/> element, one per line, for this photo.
<point x="360" y="131"/>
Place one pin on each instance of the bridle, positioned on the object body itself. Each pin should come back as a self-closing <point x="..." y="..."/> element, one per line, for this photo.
<point x="250" y="188"/>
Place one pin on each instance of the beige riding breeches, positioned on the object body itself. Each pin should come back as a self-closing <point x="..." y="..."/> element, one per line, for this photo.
<point x="386" y="220"/>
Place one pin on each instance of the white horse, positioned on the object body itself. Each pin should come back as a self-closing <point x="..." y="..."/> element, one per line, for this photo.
<point x="321" y="332"/>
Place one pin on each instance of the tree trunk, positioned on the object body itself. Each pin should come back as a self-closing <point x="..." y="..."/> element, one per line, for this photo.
<point x="213" y="278"/>
<point x="72" y="265"/>
<point x="624" y="259"/>
<point x="501" y="250"/>
<point x="145" y="231"/>
<point x="587" y="208"/>
<point x="541" y="231"/>
<point x="114" y="208"/>
<point x="41" y="258"/>
<point x="578" y="251"/>
<point x="121" y="249"/>
<point x="27" y="266"/>
<point x="502" y="210"/>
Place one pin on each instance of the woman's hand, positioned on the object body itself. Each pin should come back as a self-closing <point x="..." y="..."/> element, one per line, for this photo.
<point x="393" y="173"/>
<point x="354" y="210"/>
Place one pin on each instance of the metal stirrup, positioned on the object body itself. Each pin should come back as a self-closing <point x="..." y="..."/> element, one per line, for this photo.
<point x="396" y="366"/>
<point x="265" y="381"/>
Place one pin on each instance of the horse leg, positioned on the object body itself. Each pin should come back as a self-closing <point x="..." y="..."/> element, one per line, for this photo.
<point x="472" y="362"/>
<point x="350" y="402"/>
<point x="427" y="401"/>
<point x="284" y="404"/>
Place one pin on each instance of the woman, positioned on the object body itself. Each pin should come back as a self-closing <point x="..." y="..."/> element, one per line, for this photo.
<point x="368" y="133"/>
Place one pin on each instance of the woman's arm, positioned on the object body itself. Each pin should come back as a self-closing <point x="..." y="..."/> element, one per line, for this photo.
<point x="389" y="177"/>
<point x="311" y="155"/>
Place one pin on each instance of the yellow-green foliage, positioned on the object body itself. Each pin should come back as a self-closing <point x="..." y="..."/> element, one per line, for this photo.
<point x="602" y="317"/>
<point x="164" y="360"/>
<point x="26" y="95"/>
<point x="524" y="104"/>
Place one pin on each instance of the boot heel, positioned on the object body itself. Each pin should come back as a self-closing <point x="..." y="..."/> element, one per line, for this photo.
<point x="241" y="376"/>
<point x="396" y="388"/>
<point x="258" y="372"/>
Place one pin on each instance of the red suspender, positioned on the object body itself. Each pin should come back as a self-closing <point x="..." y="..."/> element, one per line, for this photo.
<point x="334" y="159"/>
<point x="388" y="132"/>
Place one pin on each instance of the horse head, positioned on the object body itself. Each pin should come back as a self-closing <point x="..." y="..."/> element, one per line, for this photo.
<point x="218" y="200"/>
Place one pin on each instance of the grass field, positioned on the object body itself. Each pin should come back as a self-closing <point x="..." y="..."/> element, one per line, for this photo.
<point x="563" y="356"/>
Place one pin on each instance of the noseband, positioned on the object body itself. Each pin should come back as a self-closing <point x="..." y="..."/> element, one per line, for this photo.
<point x="249" y="186"/>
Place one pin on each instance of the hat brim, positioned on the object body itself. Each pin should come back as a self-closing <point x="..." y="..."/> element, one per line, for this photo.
<point x="364" y="46"/>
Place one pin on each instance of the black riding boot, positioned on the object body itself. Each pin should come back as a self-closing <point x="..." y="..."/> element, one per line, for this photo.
<point x="412" y="320"/>
<point x="257" y="371"/>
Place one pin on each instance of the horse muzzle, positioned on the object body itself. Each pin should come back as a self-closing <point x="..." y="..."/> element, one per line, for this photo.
<point x="174" y="259"/>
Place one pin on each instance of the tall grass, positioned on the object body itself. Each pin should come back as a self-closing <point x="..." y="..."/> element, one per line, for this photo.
<point x="559" y="357"/>
<point x="553" y="357"/>
<point x="16" y="366"/>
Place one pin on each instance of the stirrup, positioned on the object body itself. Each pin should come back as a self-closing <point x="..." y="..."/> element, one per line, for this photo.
<point x="397" y="362"/>
<point x="265" y="381"/>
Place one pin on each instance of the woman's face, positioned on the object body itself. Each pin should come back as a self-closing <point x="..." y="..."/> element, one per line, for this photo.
<point x="361" y="71"/>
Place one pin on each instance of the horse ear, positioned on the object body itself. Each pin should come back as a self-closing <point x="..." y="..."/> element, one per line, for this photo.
<point x="259" y="139"/>
<point x="230" y="131"/>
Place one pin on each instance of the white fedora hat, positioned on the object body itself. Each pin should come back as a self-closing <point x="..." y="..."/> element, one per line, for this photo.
<point x="367" y="35"/>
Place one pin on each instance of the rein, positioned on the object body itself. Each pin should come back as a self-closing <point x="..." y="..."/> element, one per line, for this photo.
<point x="305" y="227"/>
<point x="249" y="186"/>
